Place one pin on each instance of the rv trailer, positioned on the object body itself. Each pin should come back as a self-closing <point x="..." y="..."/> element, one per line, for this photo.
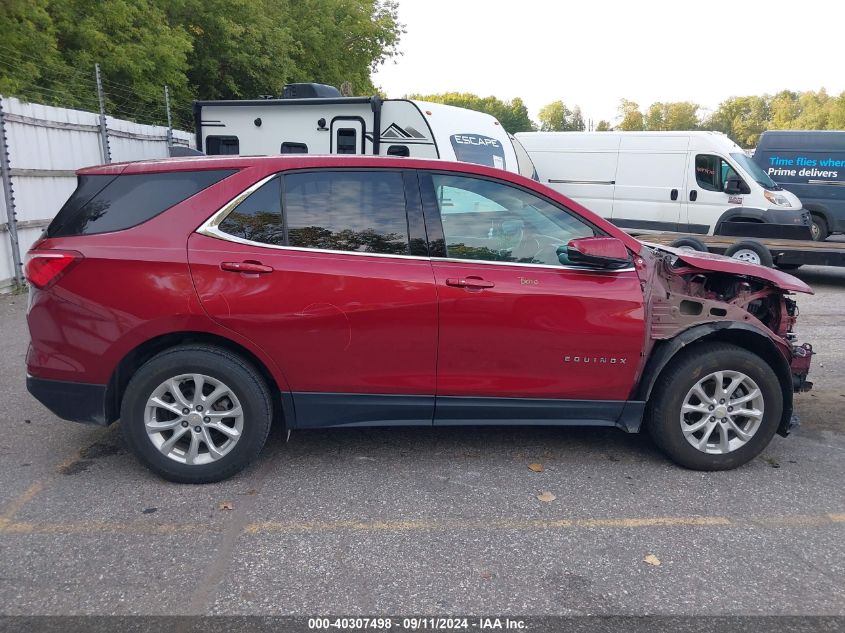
<point x="316" y="119"/>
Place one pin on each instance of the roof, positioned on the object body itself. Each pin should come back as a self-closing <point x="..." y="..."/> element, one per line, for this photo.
<point x="282" y="163"/>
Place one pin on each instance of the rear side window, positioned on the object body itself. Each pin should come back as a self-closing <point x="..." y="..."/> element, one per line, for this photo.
<point x="259" y="217"/>
<point x="347" y="211"/>
<point x="346" y="141"/>
<point x="478" y="149"/>
<point x="225" y="145"/>
<point x="294" y="148"/>
<point x="102" y="204"/>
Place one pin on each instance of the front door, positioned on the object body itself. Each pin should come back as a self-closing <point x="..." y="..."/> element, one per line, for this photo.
<point x="707" y="200"/>
<point x="523" y="336"/>
<point x="329" y="290"/>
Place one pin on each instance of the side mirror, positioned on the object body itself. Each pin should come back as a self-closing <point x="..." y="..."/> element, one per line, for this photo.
<point x="735" y="186"/>
<point x="596" y="252"/>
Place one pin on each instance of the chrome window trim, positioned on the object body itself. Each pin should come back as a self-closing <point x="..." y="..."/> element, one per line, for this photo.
<point x="211" y="228"/>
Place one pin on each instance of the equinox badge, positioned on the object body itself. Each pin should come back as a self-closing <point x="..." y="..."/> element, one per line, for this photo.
<point x="610" y="360"/>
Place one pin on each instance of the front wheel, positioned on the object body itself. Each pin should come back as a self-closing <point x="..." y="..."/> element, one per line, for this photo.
<point x="196" y="414"/>
<point x="715" y="407"/>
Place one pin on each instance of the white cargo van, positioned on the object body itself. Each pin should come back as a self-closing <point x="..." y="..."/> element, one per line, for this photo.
<point x="315" y="119"/>
<point x="689" y="182"/>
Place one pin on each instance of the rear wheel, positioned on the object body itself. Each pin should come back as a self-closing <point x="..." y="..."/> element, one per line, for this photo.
<point x="751" y="252"/>
<point x="196" y="414"/>
<point x="818" y="228"/>
<point x="715" y="407"/>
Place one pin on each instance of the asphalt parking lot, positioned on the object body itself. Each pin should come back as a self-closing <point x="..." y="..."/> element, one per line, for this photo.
<point x="428" y="521"/>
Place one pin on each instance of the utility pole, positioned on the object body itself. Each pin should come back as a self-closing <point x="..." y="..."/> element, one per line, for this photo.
<point x="169" y="119"/>
<point x="104" y="131"/>
<point x="9" y="199"/>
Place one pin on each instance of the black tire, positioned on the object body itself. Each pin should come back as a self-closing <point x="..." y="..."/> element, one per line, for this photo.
<point x="820" y="228"/>
<point x="238" y="375"/>
<point x="690" y="242"/>
<point x="740" y="248"/>
<point x="677" y="379"/>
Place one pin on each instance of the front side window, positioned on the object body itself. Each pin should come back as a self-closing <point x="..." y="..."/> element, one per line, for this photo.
<point x="491" y="221"/>
<point x="258" y="218"/>
<point x="712" y="172"/>
<point x="347" y="211"/>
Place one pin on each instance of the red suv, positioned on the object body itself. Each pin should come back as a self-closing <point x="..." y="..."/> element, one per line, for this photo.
<point x="201" y="299"/>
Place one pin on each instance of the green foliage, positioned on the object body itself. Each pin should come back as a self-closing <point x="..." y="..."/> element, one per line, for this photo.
<point x="632" y="118"/>
<point x="556" y="117"/>
<point x="680" y="115"/>
<point x="513" y="115"/>
<point x="745" y="118"/>
<point x="202" y="49"/>
<point x="603" y="126"/>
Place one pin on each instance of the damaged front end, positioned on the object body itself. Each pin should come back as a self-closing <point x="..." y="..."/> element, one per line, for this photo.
<point x="692" y="296"/>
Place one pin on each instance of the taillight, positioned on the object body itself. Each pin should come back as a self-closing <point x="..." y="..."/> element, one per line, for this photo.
<point x="44" y="268"/>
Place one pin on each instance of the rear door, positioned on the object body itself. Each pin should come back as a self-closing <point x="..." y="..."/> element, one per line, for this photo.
<point x="316" y="268"/>
<point x="523" y="336"/>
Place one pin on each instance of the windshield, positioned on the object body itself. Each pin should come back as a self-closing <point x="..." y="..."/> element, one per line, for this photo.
<point x="755" y="171"/>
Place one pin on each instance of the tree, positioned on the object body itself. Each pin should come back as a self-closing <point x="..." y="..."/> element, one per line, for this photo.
<point x="632" y="118"/>
<point x="556" y="117"/>
<point x="741" y="118"/>
<point x="577" y="120"/>
<point x="205" y="49"/>
<point x="603" y="126"/>
<point x="678" y="115"/>
<point x="513" y="114"/>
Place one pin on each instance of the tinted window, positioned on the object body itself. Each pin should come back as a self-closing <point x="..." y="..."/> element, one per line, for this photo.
<point x="227" y="145"/>
<point x="708" y="172"/>
<point x="347" y="211"/>
<point x="487" y="220"/>
<point x="126" y="201"/>
<point x="346" y="141"/>
<point x="482" y="150"/>
<point x="259" y="217"/>
<point x="398" y="150"/>
<point x="294" y="148"/>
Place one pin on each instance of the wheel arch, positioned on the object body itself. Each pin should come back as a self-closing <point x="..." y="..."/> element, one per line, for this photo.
<point x="819" y="209"/>
<point x="140" y="354"/>
<point x="740" y="334"/>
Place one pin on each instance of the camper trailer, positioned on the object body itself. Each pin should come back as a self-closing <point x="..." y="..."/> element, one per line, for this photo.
<point x="316" y="119"/>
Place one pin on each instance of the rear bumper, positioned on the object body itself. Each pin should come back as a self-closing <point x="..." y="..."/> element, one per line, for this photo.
<point x="74" y="401"/>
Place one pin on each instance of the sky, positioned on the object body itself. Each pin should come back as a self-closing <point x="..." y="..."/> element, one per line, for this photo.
<point x="594" y="53"/>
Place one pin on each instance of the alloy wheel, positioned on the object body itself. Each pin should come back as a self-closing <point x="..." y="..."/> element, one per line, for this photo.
<point x="193" y="419"/>
<point x="722" y="412"/>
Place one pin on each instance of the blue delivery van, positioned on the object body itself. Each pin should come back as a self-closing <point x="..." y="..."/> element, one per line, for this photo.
<point x="810" y="164"/>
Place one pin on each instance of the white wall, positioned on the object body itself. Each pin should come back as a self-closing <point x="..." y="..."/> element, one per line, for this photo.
<point x="46" y="145"/>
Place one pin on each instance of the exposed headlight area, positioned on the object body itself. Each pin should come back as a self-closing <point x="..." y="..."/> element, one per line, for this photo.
<point x="777" y="199"/>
